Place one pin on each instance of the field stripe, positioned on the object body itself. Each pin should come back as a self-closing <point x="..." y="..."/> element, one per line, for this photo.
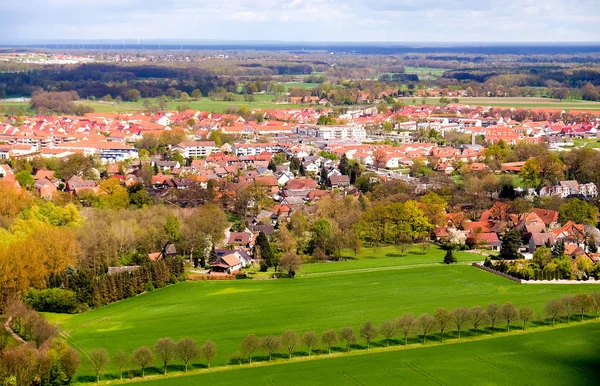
<point x="378" y="269"/>
<point x="500" y="370"/>
<point x="543" y="353"/>
<point x="423" y="373"/>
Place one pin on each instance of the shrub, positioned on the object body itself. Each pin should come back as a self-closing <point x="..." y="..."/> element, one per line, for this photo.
<point x="449" y="258"/>
<point x="52" y="300"/>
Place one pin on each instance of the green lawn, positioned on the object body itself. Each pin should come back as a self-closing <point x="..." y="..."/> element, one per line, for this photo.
<point x="226" y="311"/>
<point x="524" y="102"/>
<point x="307" y="86"/>
<point x="425" y="73"/>
<point x="560" y="356"/>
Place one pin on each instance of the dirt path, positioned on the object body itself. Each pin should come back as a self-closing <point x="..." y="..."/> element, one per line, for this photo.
<point x="11" y="332"/>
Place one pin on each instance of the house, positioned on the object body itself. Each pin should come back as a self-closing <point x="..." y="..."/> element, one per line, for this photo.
<point x="568" y="188"/>
<point x="240" y="253"/>
<point x="241" y="239"/>
<point x="168" y="250"/>
<point x="488" y="239"/>
<point x="228" y="263"/>
<point x="539" y="239"/>
<point x="44" y="173"/>
<point x="549" y="217"/>
<point x="45" y="189"/>
<point x="196" y="149"/>
<point x="339" y="181"/>
<point x="77" y="185"/>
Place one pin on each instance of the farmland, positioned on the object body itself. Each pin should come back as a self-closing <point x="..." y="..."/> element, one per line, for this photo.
<point x="523" y="102"/>
<point x="227" y="311"/>
<point x="560" y="356"/>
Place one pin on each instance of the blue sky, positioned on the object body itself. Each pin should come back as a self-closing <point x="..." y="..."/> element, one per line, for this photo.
<point x="304" y="20"/>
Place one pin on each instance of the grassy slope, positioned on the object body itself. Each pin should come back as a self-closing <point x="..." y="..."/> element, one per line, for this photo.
<point x="227" y="311"/>
<point x="561" y="356"/>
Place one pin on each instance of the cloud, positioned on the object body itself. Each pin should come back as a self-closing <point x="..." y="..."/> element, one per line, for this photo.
<point x="309" y="20"/>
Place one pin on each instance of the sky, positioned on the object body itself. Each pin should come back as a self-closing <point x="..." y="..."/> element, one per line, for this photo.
<point x="304" y="20"/>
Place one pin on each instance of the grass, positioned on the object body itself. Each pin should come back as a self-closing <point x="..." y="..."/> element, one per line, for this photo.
<point x="226" y="311"/>
<point x="426" y="73"/>
<point x="307" y="86"/>
<point x="524" y="102"/>
<point x="559" y="356"/>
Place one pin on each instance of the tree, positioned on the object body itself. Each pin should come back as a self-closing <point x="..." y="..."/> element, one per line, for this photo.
<point x="187" y="350"/>
<point x="526" y="314"/>
<point x="343" y="164"/>
<point x="166" y="351"/>
<point x="184" y="97"/>
<point x="406" y="324"/>
<point x="460" y="316"/>
<point x="581" y="303"/>
<point x="172" y="228"/>
<point x="568" y="305"/>
<point x="25" y="179"/>
<point x="442" y="318"/>
<point x="132" y="95"/>
<point x="511" y="242"/>
<point x="559" y="93"/>
<point x="290" y="340"/>
<point x="98" y="359"/>
<point x="449" y="257"/>
<point x="310" y="339"/>
<point x="579" y="212"/>
<point x="558" y="250"/>
<point x="329" y="338"/>
<point x="492" y="314"/>
<point x="388" y="330"/>
<point x="554" y="309"/>
<point x="264" y="248"/>
<point x="270" y="344"/>
<point x="290" y="263"/>
<point x="347" y="334"/>
<point x="142" y="357"/>
<point x="595" y="302"/>
<point x="209" y="351"/>
<point x="197" y="94"/>
<point x="249" y="345"/>
<point x="531" y="173"/>
<point x="478" y="317"/>
<point x="509" y="313"/>
<point x="120" y="359"/>
<point x="369" y="332"/>
<point x="425" y="323"/>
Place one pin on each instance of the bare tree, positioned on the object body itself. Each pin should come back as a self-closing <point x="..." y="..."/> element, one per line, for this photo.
<point x="142" y="357"/>
<point x="509" y="313"/>
<point x="569" y="306"/>
<point x="166" y="351"/>
<point x="426" y="323"/>
<point x="460" y="316"/>
<point x="443" y="317"/>
<point x="310" y="339"/>
<point x="595" y="302"/>
<point x="406" y="324"/>
<point x="329" y="337"/>
<point x="554" y="309"/>
<point x="369" y="332"/>
<point x="347" y="334"/>
<point x="582" y="303"/>
<point x="270" y="344"/>
<point x="187" y="349"/>
<point x="492" y="314"/>
<point x="526" y="313"/>
<point x="478" y="317"/>
<point x="249" y="345"/>
<point x="289" y="263"/>
<point x="290" y="340"/>
<point x="120" y="359"/>
<point x="209" y="351"/>
<point x="99" y="360"/>
<point x="237" y="357"/>
<point x="389" y="329"/>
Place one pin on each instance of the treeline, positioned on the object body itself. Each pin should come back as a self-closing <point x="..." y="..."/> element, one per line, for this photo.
<point x="441" y="324"/>
<point x="58" y="103"/>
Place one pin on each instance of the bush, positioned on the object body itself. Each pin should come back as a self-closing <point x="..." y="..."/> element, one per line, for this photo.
<point x="240" y="275"/>
<point x="449" y="258"/>
<point x="52" y="300"/>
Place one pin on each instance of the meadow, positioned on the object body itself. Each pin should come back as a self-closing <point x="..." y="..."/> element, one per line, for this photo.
<point x="523" y="102"/>
<point x="559" y="356"/>
<point x="226" y="311"/>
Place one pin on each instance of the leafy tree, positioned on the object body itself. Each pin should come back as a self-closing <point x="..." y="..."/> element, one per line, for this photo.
<point x="388" y="330"/>
<point x="406" y="324"/>
<point x="290" y="340"/>
<point x="249" y="345"/>
<point x="579" y="212"/>
<point x="581" y="303"/>
<point x="310" y="339"/>
<point x="554" y="309"/>
<point x="329" y="338"/>
<point x="531" y="173"/>
<point x="542" y="257"/>
<point x="460" y="316"/>
<point x="558" y="250"/>
<point x="142" y="357"/>
<point x="99" y="360"/>
<point x="526" y="314"/>
<point x="492" y="314"/>
<point x="347" y="334"/>
<point x="509" y="313"/>
<point x="209" y="351"/>
<point x="172" y="228"/>
<point x="289" y="263"/>
<point x="25" y="179"/>
<point x="270" y="344"/>
<point x="478" y="317"/>
<point x="426" y="323"/>
<point x="120" y="359"/>
<point x="187" y="350"/>
<point x="442" y="318"/>
<point x="166" y="350"/>
<point x="595" y="302"/>
<point x="511" y="242"/>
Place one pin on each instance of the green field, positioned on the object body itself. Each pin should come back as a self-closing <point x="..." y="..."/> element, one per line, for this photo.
<point x="307" y="86"/>
<point x="226" y="311"/>
<point x="524" y="102"/>
<point x="426" y="73"/>
<point x="560" y="356"/>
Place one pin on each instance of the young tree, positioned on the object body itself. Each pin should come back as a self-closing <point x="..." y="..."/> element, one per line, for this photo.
<point x="237" y="357"/>
<point x="310" y="339"/>
<point x="369" y="332"/>
<point x="443" y="317"/>
<point x="142" y="357"/>
<point x="98" y="359"/>
<point x="406" y="324"/>
<point x="270" y="344"/>
<point x="526" y="313"/>
<point x="449" y="257"/>
<point x="347" y="334"/>
<point x="120" y="359"/>
<point x="460" y="316"/>
<point x="249" y="345"/>
<point x="329" y="338"/>
<point x="492" y="315"/>
<point x="478" y="317"/>
<point x="289" y="263"/>
<point x="426" y="323"/>
<point x="568" y="305"/>
<point x="290" y="340"/>
<point x="509" y="313"/>
<point x="554" y="309"/>
<point x="581" y="303"/>
<point x="187" y="349"/>
<point x="595" y="302"/>
<point x="209" y="351"/>
<point x="166" y="350"/>
<point x="388" y="330"/>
